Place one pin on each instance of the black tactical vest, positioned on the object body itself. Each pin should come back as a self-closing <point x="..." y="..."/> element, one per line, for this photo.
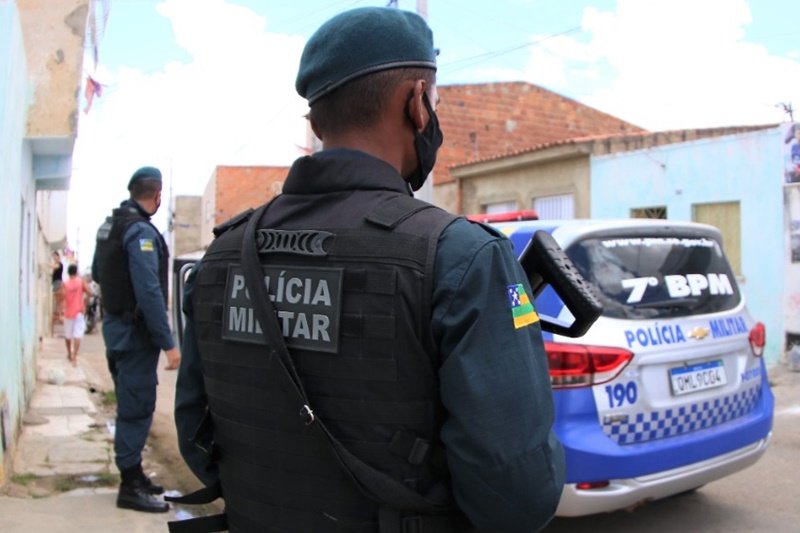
<point x="352" y="289"/>
<point x="112" y="262"/>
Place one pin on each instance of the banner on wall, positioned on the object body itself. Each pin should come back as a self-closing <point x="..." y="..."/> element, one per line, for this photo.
<point x="791" y="152"/>
<point x="791" y="210"/>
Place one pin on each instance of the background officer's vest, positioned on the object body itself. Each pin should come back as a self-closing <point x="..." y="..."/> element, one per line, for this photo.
<point x="112" y="262"/>
<point x="354" y="302"/>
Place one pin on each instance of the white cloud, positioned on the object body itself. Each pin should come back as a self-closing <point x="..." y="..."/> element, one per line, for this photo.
<point x="672" y="64"/>
<point x="233" y="103"/>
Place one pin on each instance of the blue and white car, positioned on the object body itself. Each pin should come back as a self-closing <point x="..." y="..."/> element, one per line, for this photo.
<point x="667" y="390"/>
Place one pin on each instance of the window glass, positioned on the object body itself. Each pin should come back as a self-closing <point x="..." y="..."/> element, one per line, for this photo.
<point x="500" y="207"/>
<point x="560" y="207"/>
<point x="645" y="277"/>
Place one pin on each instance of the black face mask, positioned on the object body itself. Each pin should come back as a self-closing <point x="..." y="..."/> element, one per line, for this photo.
<point x="426" y="144"/>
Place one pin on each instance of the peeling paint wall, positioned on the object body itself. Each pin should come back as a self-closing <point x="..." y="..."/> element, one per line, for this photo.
<point x="745" y="168"/>
<point x="54" y="34"/>
<point x="41" y="54"/>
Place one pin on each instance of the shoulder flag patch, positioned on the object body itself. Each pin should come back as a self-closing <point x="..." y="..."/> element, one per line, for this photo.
<point x="146" y="245"/>
<point x="521" y="306"/>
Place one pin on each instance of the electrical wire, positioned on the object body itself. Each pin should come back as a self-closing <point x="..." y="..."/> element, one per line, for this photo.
<point x="473" y="60"/>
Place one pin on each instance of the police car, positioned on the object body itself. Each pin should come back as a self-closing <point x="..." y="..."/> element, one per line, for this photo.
<point x="667" y="390"/>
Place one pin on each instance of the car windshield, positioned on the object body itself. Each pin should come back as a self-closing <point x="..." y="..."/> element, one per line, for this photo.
<point x="645" y="277"/>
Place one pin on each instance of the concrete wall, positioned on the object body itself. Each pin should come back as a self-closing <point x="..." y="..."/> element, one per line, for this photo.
<point x="747" y="168"/>
<point x="41" y="54"/>
<point x="186" y="225"/>
<point x="523" y="181"/>
<point x="13" y="168"/>
<point x="54" y="32"/>
<point x="208" y="208"/>
<point x="446" y="196"/>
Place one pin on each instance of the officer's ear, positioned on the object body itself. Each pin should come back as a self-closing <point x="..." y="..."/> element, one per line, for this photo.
<point x="416" y="108"/>
<point x="314" y="127"/>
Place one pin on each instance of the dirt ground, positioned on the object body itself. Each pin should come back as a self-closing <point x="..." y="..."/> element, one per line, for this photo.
<point x="161" y="459"/>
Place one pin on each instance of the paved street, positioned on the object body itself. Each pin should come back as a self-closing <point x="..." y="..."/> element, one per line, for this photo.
<point x="64" y="478"/>
<point x="66" y="438"/>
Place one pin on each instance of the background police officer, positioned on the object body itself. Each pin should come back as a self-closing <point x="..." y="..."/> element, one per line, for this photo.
<point x="130" y="264"/>
<point x="431" y="368"/>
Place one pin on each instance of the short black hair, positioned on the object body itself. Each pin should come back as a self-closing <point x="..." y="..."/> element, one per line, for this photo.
<point x="72" y="270"/>
<point x="361" y="102"/>
<point x="145" y="189"/>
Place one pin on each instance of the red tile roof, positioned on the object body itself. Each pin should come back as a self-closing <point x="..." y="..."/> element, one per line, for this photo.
<point x="622" y="142"/>
<point x="485" y="120"/>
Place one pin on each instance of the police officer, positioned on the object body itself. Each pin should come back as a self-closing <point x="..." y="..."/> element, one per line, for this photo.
<point x="394" y="379"/>
<point x="130" y="264"/>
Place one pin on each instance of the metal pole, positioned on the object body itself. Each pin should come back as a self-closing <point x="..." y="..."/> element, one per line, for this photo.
<point x="422" y="8"/>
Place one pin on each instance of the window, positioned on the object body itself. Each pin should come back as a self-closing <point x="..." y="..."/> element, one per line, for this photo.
<point x="500" y="207"/>
<point x="659" y="212"/>
<point x="724" y="216"/>
<point x="647" y="275"/>
<point x="561" y="207"/>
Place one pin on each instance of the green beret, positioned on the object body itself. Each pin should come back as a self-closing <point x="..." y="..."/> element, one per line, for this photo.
<point x="145" y="173"/>
<point x="359" y="42"/>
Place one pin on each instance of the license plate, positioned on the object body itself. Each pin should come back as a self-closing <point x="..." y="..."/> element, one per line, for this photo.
<point x="693" y="378"/>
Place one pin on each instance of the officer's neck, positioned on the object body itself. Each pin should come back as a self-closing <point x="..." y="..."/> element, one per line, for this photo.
<point x="146" y="207"/>
<point x="374" y="142"/>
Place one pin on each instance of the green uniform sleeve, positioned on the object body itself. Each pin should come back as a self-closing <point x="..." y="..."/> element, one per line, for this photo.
<point x="507" y="465"/>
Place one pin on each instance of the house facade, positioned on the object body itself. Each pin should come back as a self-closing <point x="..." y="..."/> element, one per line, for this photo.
<point x="490" y="119"/>
<point x="233" y="189"/>
<point x="733" y="178"/>
<point x="41" y="54"/>
<point x="733" y="182"/>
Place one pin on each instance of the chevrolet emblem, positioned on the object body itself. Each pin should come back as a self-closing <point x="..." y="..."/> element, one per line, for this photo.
<point x="699" y="333"/>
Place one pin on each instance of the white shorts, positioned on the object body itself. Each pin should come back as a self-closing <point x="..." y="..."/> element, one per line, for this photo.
<point x="74" y="327"/>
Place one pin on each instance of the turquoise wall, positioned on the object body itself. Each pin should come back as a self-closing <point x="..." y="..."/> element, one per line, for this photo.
<point x="747" y="168"/>
<point x="16" y="366"/>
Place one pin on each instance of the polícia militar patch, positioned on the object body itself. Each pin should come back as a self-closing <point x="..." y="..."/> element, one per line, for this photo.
<point x="521" y="306"/>
<point x="146" y="245"/>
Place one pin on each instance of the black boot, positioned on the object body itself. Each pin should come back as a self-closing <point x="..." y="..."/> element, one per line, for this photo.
<point x="134" y="496"/>
<point x="134" y="492"/>
<point x="151" y="487"/>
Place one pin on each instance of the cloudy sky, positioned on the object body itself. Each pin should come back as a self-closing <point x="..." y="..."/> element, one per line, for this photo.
<point x="191" y="84"/>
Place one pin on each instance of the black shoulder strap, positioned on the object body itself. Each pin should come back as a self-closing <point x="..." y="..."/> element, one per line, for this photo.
<point x="389" y="214"/>
<point x="201" y="524"/>
<point x="373" y="483"/>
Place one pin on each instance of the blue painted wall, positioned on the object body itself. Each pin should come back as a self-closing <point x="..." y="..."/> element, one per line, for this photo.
<point x="747" y="168"/>
<point x="16" y="364"/>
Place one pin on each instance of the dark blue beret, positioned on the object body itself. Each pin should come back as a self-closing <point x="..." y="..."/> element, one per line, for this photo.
<point x="145" y="173"/>
<point x="359" y="42"/>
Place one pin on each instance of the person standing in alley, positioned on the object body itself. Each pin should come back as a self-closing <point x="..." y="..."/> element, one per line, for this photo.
<point x="131" y="266"/>
<point x="74" y="307"/>
<point x="356" y="359"/>
<point x="57" y="268"/>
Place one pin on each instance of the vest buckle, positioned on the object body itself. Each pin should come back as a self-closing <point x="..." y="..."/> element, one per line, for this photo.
<point x="306" y="411"/>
